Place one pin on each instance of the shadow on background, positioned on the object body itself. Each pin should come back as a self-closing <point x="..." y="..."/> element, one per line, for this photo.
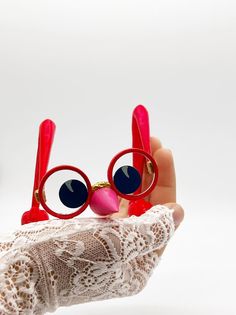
<point x="150" y="310"/>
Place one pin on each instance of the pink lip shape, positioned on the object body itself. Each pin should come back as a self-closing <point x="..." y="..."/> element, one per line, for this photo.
<point x="104" y="201"/>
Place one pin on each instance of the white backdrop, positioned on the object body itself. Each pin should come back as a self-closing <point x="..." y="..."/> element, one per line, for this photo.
<point x="86" y="64"/>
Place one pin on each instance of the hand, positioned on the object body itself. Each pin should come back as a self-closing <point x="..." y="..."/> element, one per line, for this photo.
<point x="55" y="263"/>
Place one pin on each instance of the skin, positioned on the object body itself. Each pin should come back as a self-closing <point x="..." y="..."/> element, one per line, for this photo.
<point x="165" y="191"/>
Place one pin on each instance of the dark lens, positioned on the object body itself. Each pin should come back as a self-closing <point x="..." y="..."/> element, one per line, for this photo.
<point x="73" y="193"/>
<point x="127" y="179"/>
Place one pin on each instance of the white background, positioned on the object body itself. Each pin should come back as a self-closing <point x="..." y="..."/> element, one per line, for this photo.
<point x="86" y="64"/>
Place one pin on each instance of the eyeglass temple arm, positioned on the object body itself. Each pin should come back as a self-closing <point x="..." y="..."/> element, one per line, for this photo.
<point x="140" y="136"/>
<point x="45" y="140"/>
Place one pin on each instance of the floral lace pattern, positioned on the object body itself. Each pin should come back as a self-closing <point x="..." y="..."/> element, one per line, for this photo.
<point x="55" y="263"/>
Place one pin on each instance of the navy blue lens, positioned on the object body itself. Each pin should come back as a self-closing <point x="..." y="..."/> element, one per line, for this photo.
<point x="127" y="179"/>
<point x="73" y="193"/>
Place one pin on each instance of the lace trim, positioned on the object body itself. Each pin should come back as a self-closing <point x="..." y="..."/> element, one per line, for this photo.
<point x="55" y="263"/>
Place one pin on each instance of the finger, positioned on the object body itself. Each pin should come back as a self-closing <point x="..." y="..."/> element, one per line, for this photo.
<point x="178" y="216"/>
<point x="155" y="144"/>
<point x="165" y="191"/>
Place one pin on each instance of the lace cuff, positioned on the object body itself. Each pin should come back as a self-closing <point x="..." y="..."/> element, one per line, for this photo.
<point x="56" y="263"/>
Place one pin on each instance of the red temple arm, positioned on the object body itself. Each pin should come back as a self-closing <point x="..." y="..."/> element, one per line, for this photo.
<point x="141" y="136"/>
<point x="45" y="140"/>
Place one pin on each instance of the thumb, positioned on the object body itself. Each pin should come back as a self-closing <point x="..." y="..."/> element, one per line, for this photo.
<point x="178" y="213"/>
<point x="178" y="216"/>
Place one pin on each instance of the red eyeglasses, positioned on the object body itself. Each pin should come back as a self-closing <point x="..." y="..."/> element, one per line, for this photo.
<point x="65" y="191"/>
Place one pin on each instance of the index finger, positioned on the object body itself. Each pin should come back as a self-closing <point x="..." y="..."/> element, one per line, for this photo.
<point x="165" y="190"/>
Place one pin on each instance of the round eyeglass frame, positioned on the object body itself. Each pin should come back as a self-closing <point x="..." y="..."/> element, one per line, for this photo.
<point x="41" y="192"/>
<point x="110" y="172"/>
<point x="42" y="195"/>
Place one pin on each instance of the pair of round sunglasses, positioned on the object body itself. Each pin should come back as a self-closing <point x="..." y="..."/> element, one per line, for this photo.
<point x="65" y="191"/>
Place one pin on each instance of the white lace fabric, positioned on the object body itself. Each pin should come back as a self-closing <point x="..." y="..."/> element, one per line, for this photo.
<point x="55" y="263"/>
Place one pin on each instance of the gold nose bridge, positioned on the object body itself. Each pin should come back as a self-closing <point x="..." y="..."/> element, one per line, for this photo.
<point x="99" y="185"/>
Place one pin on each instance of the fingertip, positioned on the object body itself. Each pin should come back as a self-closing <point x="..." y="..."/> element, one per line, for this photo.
<point x="165" y="162"/>
<point x="155" y="144"/>
<point x="178" y="214"/>
<point x="165" y="155"/>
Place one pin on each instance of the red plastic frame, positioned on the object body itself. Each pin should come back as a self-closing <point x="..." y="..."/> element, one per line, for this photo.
<point x="140" y="143"/>
<point x="41" y="191"/>
<point x="45" y="140"/>
<point x="110" y="172"/>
